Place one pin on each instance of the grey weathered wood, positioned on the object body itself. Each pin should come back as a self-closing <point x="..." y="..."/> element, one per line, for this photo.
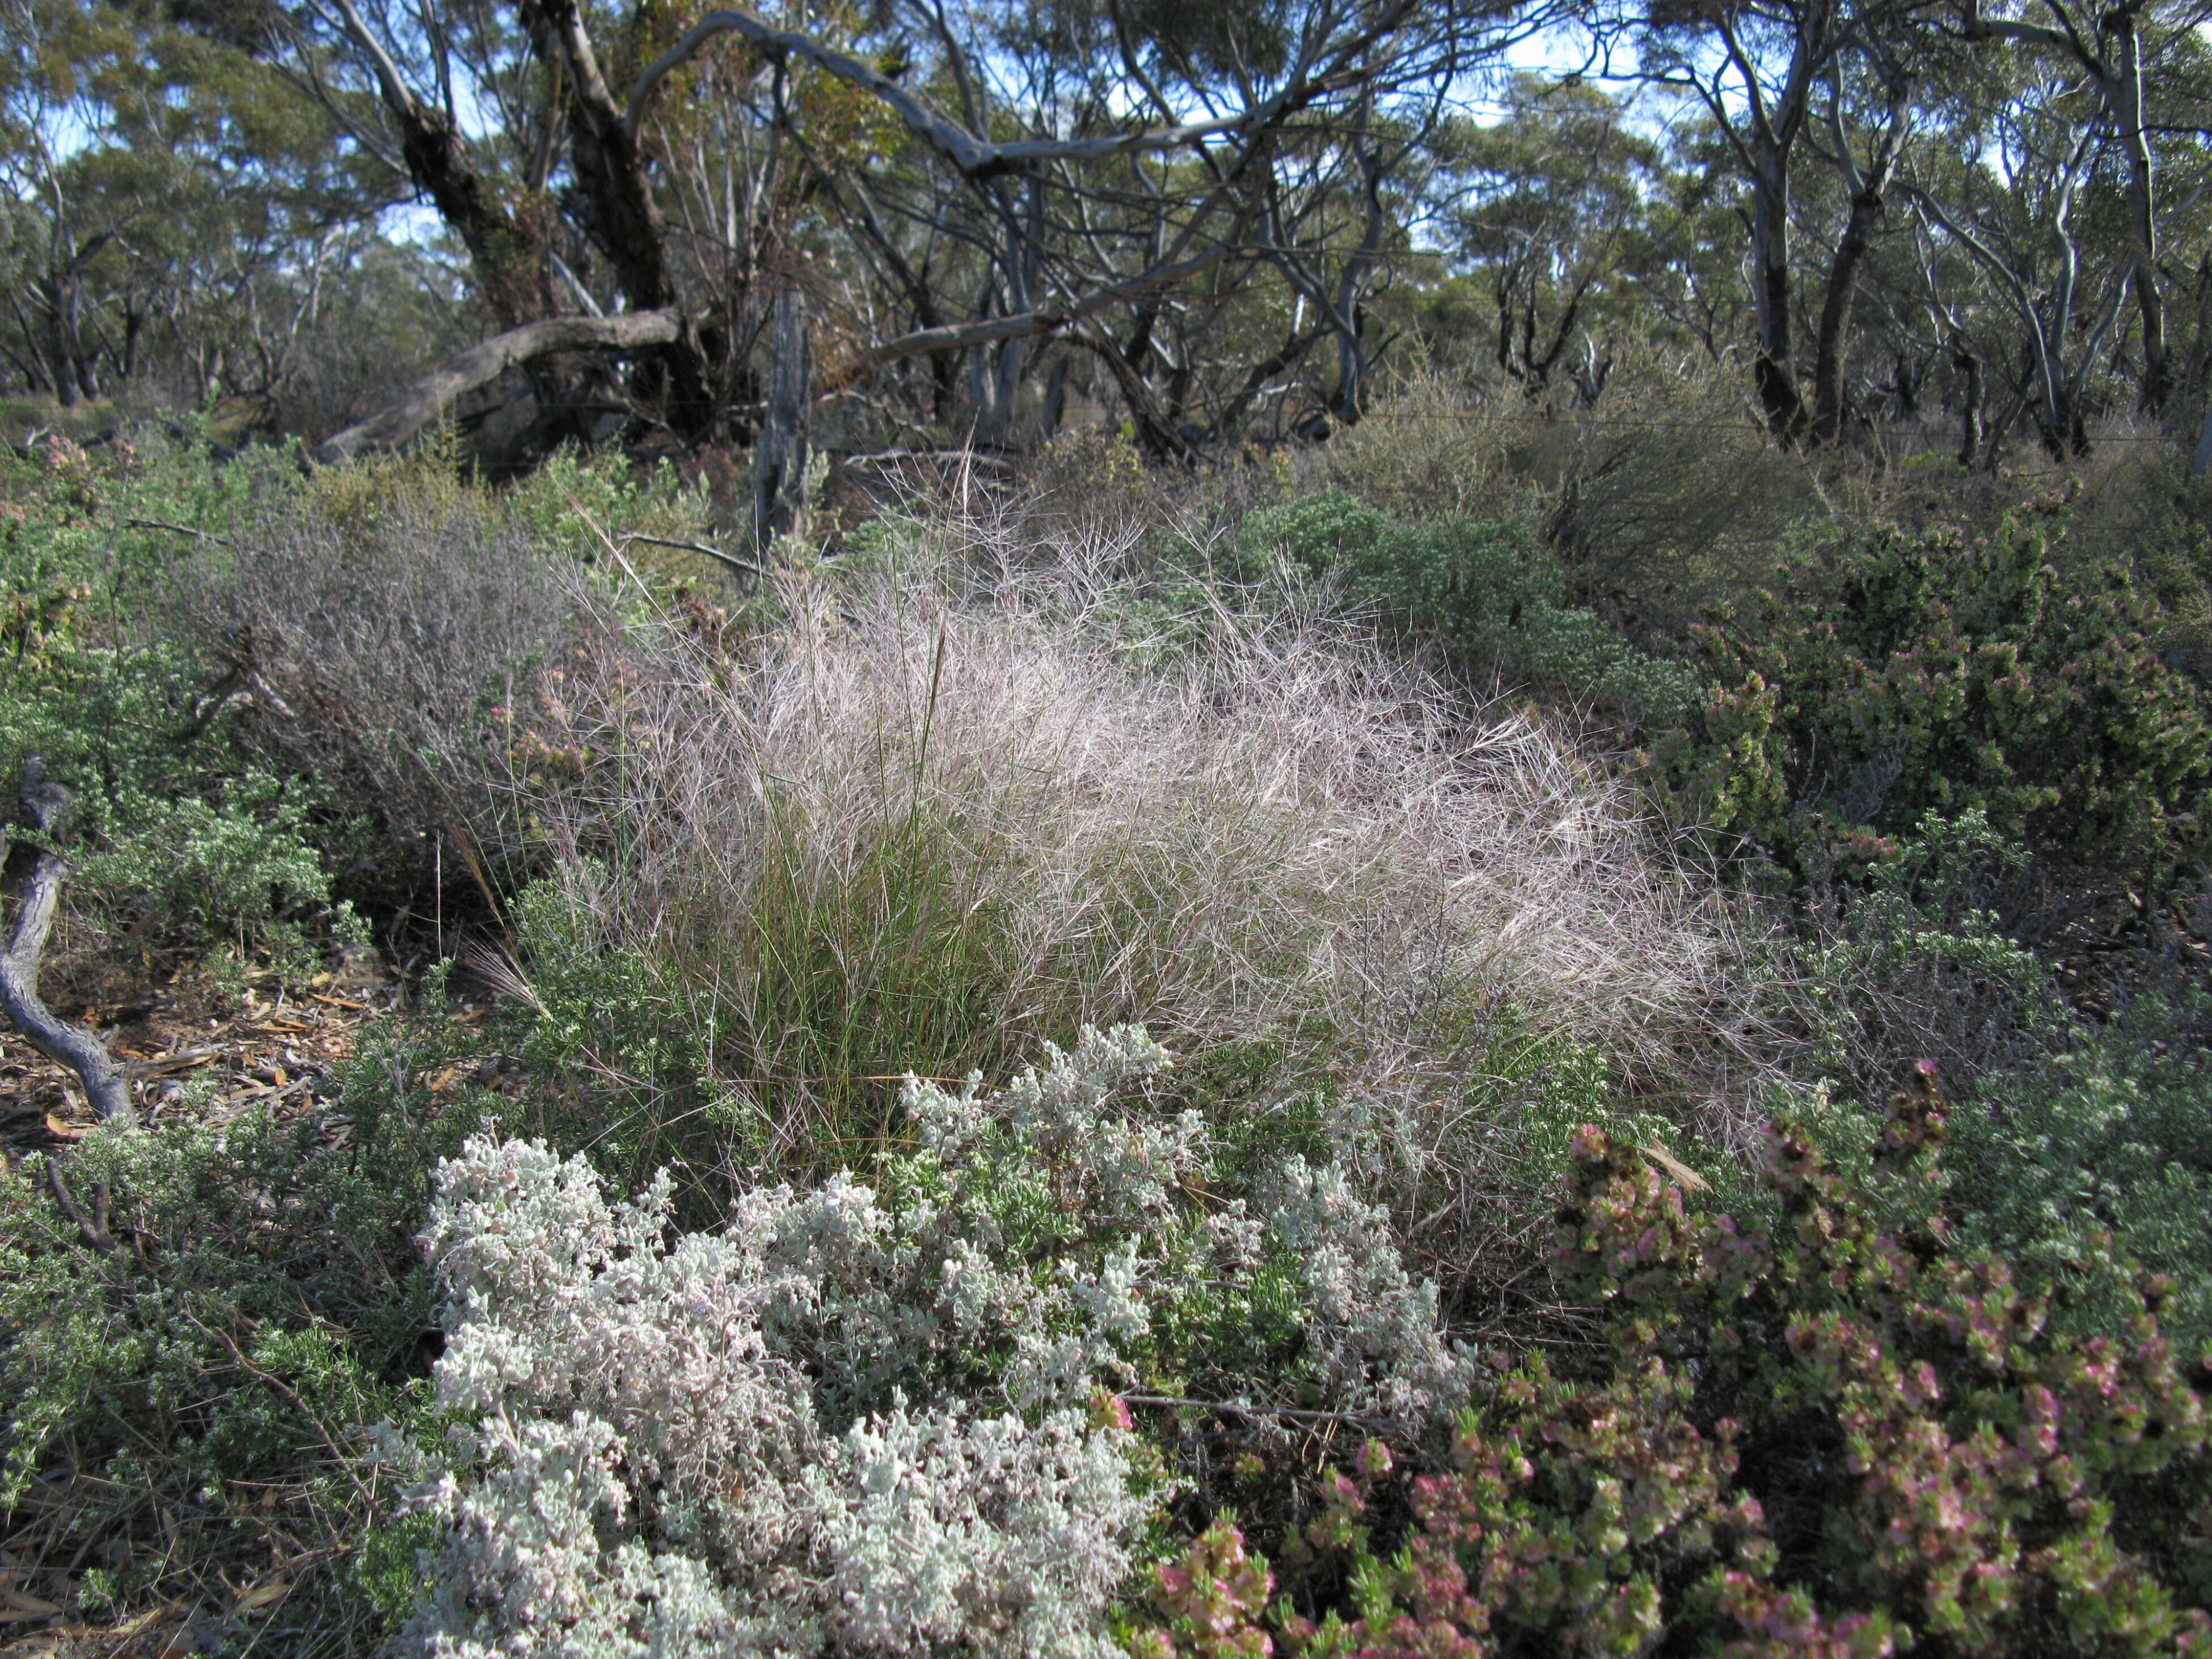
<point x="431" y="396"/>
<point x="46" y="806"/>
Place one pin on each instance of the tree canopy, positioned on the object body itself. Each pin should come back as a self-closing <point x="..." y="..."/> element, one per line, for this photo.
<point x="912" y="225"/>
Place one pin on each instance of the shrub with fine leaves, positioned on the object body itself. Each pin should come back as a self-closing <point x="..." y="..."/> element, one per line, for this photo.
<point x="1945" y="674"/>
<point x="2097" y="1160"/>
<point x="1486" y="591"/>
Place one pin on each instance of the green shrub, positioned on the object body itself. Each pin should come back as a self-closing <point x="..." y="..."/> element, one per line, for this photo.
<point x="613" y="1041"/>
<point x="185" y="1382"/>
<point x="2103" y="1157"/>
<point x="1899" y="950"/>
<point x="2139" y="506"/>
<point x="177" y="840"/>
<point x="1814" y="1434"/>
<point x="248" y="865"/>
<point x="1485" y="590"/>
<point x="1669" y="493"/>
<point x="178" y="633"/>
<point x="1434" y="449"/>
<point x="1936" y="673"/>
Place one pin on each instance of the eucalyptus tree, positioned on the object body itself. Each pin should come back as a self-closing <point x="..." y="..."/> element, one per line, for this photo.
<point x="176" y="205"/>
<point x="1866" y="115"/>
<point x="1563" y="210"/>
<point x="963" y="187"/>
<point x="2141" y="65"/>
<point x="1757" y="66"/>
<point x="1783" y="82"/>
<point x="2031" y="195"/>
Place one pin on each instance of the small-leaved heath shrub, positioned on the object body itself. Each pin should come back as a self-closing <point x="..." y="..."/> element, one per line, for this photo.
<point x="184" y="1384"/>
<point x="368" y="647"/>
<point x="2100" y="1158"/>
<point x="177" y="843"/>
<point x="1901" y="951"/>
<point x="1939" y="674"/>
<point x="1435" y="448"/>
<point x="1815" y="1434"/>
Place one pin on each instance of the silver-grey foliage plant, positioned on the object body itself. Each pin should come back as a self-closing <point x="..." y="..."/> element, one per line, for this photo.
<point x="771" y="1439"/>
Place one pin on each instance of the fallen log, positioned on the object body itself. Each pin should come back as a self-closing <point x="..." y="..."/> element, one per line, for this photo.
<point x="435" y="392"/>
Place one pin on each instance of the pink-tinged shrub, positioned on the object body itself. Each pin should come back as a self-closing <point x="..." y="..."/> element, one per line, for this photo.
<point x="1832" y="1432"/>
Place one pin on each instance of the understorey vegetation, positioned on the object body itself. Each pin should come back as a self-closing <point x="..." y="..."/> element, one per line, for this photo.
<point x="1288" y="1060"/>
<point x="1316" y="829"/>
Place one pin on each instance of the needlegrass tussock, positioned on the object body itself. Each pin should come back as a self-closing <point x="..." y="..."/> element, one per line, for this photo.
<point x="920" y="819"/>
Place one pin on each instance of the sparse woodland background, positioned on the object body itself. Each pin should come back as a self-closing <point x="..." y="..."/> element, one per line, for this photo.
<point x="1164" y="830"/>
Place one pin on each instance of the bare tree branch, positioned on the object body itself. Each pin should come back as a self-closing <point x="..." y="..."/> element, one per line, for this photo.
<point x="46" y="806"/>
<point x="955" y="337"/>
<point x="972" y="156"/>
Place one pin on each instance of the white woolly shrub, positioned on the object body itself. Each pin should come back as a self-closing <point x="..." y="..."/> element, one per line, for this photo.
<point x="876" y="1418"/>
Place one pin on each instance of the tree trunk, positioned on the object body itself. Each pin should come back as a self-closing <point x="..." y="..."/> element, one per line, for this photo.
<point x="1054" y="408"/>
<point x="34" y="363"/>
<point x="2126" y="102"/>
<point x="134" y="326"/>
<point x="512" y="279"/>
<point x="1834" y="330"/>
<point x="61" y="335"/>
<point x="997" y="371"/>
<point x="780" y="454"/>
<point x="1288" y="356"/>
<point x="78" y="356"/>
<point x="1832" y="338"/>
<point x="1770" y="372"/>
<point x="2061" y="426"/>
<point x="1969" y="367"/>
<point x="2111" y="53"/>
<point x="1353" y="360"/>
<point x="1906" y="376"/>
<point x="623" y="218"/>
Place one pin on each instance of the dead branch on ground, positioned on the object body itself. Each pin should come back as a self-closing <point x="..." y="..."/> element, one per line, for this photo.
<point x="46" y="808"/>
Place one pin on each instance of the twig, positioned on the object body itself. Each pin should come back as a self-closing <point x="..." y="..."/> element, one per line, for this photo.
<point x="46" y="805"/>
<point x="729" y="559"/>
<point x="240" y="675"/>
<point x="268" y="695"/>
<point x="1349" y="1418"/>
<point x="209" y="703"/>
<point x="176" y="530"/>
<point x="939" y="457"/>
<point x="339" y="1454"/>
<point x="165" y="1065"/>
<point x="93" y="1228"/>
